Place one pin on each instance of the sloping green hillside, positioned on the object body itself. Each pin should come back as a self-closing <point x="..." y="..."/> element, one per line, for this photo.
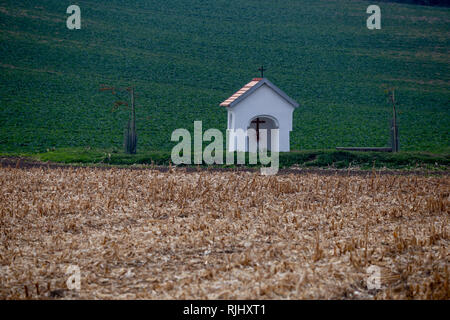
<point x="185" y="57"/>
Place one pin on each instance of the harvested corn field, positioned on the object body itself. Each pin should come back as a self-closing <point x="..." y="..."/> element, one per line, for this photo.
<point x="222" y="235"/>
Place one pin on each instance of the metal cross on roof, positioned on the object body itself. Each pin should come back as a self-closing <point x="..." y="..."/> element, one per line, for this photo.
<point x="262" y="71"/>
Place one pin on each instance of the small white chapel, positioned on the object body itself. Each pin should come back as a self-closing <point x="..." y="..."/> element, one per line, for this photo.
<point x="260" y="105"/>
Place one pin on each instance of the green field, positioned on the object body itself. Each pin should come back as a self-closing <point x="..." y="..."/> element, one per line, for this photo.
<point x="185" y="57"/>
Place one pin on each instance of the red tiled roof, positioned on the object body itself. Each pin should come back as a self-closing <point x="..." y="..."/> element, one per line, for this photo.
<point x="240" y="92"/>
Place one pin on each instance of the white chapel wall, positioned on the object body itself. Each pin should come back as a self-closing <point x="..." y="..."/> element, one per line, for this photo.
<point x="264" y="101"/>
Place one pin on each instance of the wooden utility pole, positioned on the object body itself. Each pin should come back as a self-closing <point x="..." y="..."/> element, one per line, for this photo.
<point x="394" y="129"/>
<point x="130" y="134"/>
<point x="130" y="138"/>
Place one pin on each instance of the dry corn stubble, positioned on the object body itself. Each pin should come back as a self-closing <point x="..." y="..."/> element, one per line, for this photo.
<point x="205" y="235"/>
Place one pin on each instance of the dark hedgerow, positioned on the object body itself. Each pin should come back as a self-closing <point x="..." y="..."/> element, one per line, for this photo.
<point x="309" y="158"/>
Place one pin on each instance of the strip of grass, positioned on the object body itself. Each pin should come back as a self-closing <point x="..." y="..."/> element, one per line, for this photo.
<point x="307" y="158"/>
